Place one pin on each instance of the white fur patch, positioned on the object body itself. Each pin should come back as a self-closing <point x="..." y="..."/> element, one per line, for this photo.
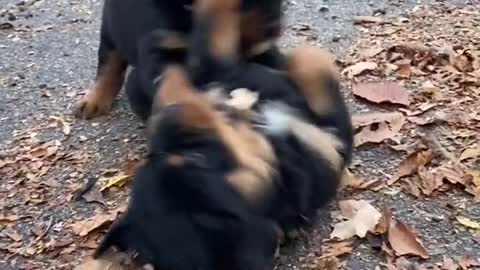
<point x="279" y="119"/>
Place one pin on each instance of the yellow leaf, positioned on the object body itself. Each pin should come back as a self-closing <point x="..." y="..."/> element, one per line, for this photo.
<point x="468" y="223"/>
<point x="117" y="180"/>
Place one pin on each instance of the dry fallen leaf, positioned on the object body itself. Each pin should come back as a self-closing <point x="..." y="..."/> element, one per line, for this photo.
<point x="361" y="217"/>
<point x="377" y="127"/>
<point x="429" y="181"/>
<point x="449" y="264"/>
<point x="470" y="153"/>
<point x="359" y="68"/>
<point x="117" y="180"/>
<point x="86" y="226"/>
<point x="371" y="52"/>
<point x="379" y="92"/>
<point x="384" y="223"/>
<point x="6" y="219"/>
<point x="466" y="262"/>
<point x="367" y="19"/>
<point x="411" y="164"/>
<point x="404" y="241"/>
<point x="15" y="236"/>
<point x="404" y="70"/>
<point x="336" y="249"/>
<point x="468" y="223"/>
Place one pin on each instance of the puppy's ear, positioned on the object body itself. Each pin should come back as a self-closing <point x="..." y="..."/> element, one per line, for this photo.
<point x="315" y="73"/>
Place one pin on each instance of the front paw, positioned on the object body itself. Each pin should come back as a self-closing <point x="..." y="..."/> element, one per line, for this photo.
<point x="92" y="105"/>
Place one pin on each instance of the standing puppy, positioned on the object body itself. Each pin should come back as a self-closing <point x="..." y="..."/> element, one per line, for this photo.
<point x="126" y="22"/>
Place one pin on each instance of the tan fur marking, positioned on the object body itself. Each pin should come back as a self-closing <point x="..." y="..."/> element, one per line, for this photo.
<point x="248" y="183"/>
<point x="176" y="161"/>
<point x="309" y="67"/>
<point x="174" y="40"/>
<point x="198" y="113"/>
<point x="324" y="143"/>
<point x="99" y="100"/>
<point x="225" y="34"/>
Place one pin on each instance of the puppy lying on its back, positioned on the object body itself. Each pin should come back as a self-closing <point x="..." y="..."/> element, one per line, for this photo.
<point x="183" y="214"/>
<point x="300" y="114"/>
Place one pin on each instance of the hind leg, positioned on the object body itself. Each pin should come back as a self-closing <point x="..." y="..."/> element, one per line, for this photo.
<point x="108" y="82"/>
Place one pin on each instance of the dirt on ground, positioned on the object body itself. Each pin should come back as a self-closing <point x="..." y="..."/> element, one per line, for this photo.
<point x="411" y="75"/>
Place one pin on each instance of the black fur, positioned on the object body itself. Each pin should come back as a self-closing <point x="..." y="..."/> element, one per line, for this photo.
<point x="305" y="181"/>
<point x="187" y="217"/>
<point x="126" y="22"/>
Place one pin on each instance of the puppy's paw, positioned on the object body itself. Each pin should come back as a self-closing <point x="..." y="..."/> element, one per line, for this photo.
<point x="92" y="105"/>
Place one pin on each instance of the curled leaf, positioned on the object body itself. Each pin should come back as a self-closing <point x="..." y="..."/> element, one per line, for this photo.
<point x="404" y="241"/>
<point x="361" y="217"/>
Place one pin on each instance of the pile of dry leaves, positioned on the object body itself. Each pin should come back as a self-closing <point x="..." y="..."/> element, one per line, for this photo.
<point x="420" y="78"/>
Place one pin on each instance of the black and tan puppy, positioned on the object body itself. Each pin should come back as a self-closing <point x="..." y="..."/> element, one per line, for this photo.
<point x="183" y="213"/>
<point x="225" y="25"/>
<point x="217" y="180"/>
<point x="301" y="114"/>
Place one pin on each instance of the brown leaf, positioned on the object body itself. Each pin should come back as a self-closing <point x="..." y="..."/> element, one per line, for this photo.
<point x="384" y="223"/>
<point x="15" y="236"/>
<point x="361" y="217"/>
<point x="404" y="241"/>
<point x="411" y="164"/>
<point x="328" y="263"/>
<point x="336" y="249"/>
<point x="359" y="68"/>
<point x="367" y="19"/>
<point x="84" y="227"/>
<point x="404" y="71"/>
<point x="94" y="195"/>
<point x="466" y="262"/>
<point x="429" y="181"/>
<point x="6" y="219"/>
<point x="371" y="52"/>
<point x="380" y="127"/>
<point x="129" y="166"/>
<point x="37" y="230"/>
<point x="379" y="92"/>
<point x="449" y="264"/>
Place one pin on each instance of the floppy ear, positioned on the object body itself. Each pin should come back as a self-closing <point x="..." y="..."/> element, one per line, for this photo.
<point x="314" y="71"/>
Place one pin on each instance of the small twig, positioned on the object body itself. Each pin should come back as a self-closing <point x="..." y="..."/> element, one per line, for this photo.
<point x="40" y="237"/>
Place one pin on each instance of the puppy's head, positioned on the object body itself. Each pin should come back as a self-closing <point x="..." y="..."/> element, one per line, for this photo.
<point x="260" y="23"/>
